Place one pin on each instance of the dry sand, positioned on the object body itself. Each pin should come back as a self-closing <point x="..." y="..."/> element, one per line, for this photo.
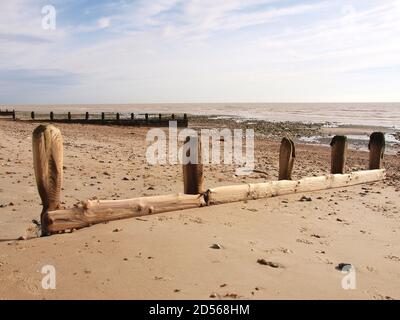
<point x="168" y="256"/>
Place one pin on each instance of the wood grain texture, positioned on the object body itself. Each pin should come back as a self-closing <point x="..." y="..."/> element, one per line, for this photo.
<point x="286" y="159"/>
<point x="252" y="191"/>
<point x="193" y="178"/>
<point x="97" y="211"/>
<point x="47" y="148"/>
<point x="376" y="148"/>
<point x="338" y="154"/>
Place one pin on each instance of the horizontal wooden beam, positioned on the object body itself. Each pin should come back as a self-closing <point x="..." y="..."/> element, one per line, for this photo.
<point x="269" y="189"/>
<point x="97" y="211"/>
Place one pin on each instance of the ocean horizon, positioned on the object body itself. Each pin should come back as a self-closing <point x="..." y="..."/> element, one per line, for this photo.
<point x="365" y="114"/>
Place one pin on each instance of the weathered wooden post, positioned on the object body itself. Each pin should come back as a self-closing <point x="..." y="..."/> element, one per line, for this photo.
<point x="117" y="116"/>
<point x="87" y="116"/>
<point x="193" y="179"/>
<point x="147" y="118"/>
<point x="69" y="116"/>
<point x="185" y="117"/>
<point x="103" y="117"/>
<point x="338" y="154"/>
<point x="287" y="154"/>
<point x="47" y="147"/>
<point x="13" y="115"/>
<point x="376" y="148"/>
<point x="132" y="116"/>
<point x="173" y="116"/>
<point x="159" y="118"/>
<point x="33" y="115"/>
<point x="51" y="115"/>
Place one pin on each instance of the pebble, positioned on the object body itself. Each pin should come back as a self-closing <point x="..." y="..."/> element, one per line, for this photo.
<point x="215" y="246"/>
<point x="270" y="263"/>
<point x="342" y="265"/>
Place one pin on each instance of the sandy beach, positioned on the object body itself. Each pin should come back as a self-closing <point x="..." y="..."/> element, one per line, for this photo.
<point x="205" y="253"/>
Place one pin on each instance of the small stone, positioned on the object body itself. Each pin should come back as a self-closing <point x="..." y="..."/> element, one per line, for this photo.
<point x="215" y="246"/>
<point x="231" y="295"/>
<point x="304" y="198"/>
<point x="269" y="263"/>
<point x="342" y="265"/>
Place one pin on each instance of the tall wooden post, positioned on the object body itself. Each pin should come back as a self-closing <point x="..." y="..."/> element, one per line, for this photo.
<point x="51" y="115"/>
<point x="376" y="148"/>
<point x="338" y="154"/>
<point x="33" y="115"/>
<point x="47" y="147"/>
<point x="103" y="117"/>
<point x="193" y="179"/>
<point x="287" y="154"/>
<point x="69" y="115"/>
<point x="87" y="116"/>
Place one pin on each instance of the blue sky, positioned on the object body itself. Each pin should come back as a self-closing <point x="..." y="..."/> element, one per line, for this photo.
<point x="141" y="51"/>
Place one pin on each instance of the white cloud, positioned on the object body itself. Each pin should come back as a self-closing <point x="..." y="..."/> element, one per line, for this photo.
<point x="169" y="50"/>
<point x="103" y="22"/>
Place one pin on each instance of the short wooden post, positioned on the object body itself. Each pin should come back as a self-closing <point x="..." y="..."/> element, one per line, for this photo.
<point x="13" y="115"/>
<point x="287" y="154"/>
<point x="117" y="116"/>
<point x="87" y="116"/>
<point x="47" y="147"/>
<point x="193" y="179"/>
<point x="147" y="118"/>
<point x="103" y="117"/>
<point x="185" y="117"/>
<point x="33" y="115"/>
<point x="376" y="148"/>
<point x="338" y="154"/>
<point x="132" y="116"/>
<point x="69" y="115"/>
<point x="51" y="115"/>
<point x="159" y="118"/>
<point x="173" y="116"/>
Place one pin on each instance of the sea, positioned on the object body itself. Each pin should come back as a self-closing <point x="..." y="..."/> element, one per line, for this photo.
<point x="358" y="114"/>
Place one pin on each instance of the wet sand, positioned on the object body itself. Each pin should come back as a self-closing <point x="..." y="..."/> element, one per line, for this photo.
<point x="172" y="255"/>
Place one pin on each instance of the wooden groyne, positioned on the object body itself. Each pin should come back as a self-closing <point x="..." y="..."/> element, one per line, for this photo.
<point x="48" y="166"/>
<point x="106" y="118"/>
<point x="7" y="113"/>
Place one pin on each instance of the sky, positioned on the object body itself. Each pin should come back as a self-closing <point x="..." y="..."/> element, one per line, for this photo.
<point x="175" y="51"/>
